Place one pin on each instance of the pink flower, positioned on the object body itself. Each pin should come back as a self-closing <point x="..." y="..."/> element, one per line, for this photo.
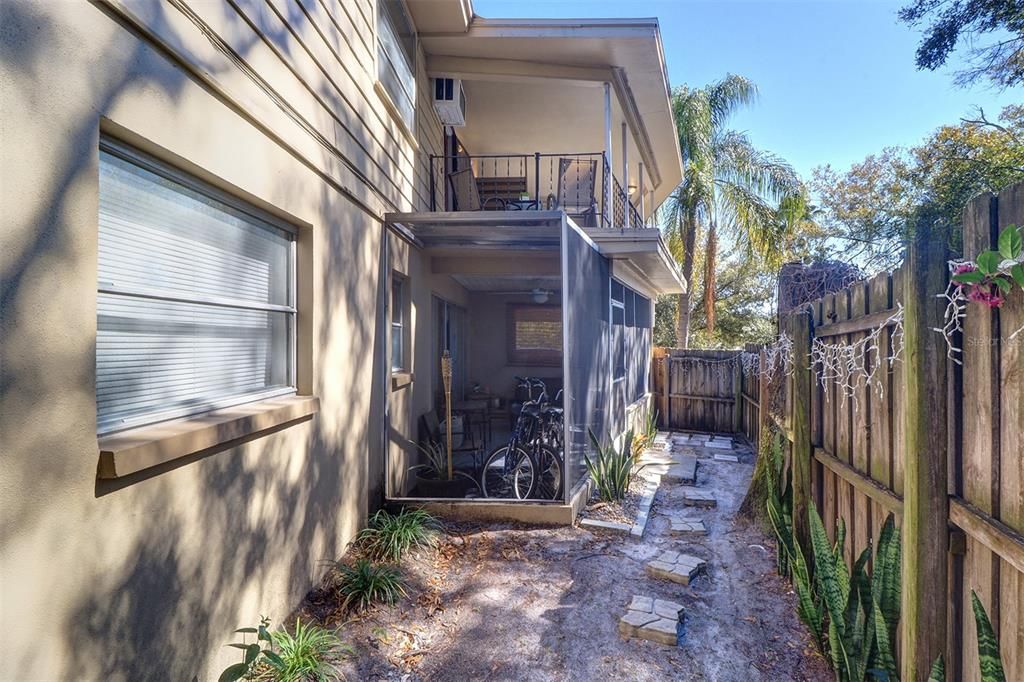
<point x="988" y="294"/>
<point x="961" y="268"/>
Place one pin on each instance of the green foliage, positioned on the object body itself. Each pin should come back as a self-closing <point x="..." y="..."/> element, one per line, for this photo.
<point x="436" y="465"/>
<point x="306" y="653"/>
<point x="870" y="209"/>
<point x="988" y="649"/>
<point x="1000" y="61"/>
<point x="646" y="436"/>
<point x="254" y="654"/>
<point x="611" y="468"/>
<point x="367" y="583"/>
<point x="852" y="616"/>
<point x="388" y="536"/>
<point x="300" y="656"/>
<point x="988" y="645"/>
<point x="729" y="185"/>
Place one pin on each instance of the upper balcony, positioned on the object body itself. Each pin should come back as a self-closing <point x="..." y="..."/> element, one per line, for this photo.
<point x="558" y="114"/>
<point x="580" y="183"/>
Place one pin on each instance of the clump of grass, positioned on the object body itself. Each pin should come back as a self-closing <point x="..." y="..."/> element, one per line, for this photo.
<point x="367" y="583"/>
<point x="389" y="536"/>
<point x="306" y="653"/>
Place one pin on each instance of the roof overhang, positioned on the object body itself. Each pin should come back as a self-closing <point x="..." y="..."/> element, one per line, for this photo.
<point x="627" y="53"/>
<point x="641" y="254"/>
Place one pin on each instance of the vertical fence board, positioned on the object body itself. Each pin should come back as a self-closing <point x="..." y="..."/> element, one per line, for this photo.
<point x="1011" y="447"/>
<point x="881" y="446"/>
<point x="860" y="436"/>
<point x="899" y="416"/>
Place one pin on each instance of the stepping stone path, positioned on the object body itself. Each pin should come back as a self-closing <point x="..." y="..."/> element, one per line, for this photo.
<point x="695" y="497"/>
<point x="688" y="527"/>
<point x="726" y="458"/>
<point x="656" y="620"/>
<point x="675" y="566"/>
<point x="685" y="471"/>
<point x="724" y="444"/>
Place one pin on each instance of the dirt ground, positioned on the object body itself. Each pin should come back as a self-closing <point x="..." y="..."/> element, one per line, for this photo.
<point x="511" y="602"/>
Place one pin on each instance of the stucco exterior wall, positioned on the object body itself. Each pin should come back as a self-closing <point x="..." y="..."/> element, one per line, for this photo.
<point x="147" y="577"/>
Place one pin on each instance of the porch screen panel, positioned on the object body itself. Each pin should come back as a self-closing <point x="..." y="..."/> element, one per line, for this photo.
<point x="587" y="357"/>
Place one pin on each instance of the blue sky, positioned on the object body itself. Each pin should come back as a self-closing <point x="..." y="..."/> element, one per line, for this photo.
<point x="837" y="77"/>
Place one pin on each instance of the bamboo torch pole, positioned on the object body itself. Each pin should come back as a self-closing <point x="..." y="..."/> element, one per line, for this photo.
<point x="446" y="377"/>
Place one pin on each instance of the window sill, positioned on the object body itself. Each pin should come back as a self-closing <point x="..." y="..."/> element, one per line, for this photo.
<point x="400" y="379"/>
<point x="129" y="452"/>
<point x="396" y="115"/>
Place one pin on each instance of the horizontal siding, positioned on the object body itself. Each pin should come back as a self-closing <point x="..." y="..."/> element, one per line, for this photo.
<point x="306" y="68"/>
<point x="430" y="135"/>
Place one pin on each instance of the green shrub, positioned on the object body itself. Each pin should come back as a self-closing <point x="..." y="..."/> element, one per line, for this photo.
<point x="300" y="657"/>
<point x="306" y="654"/>
<point x="612" y="469"/>
<point x="389" y="536"/>
<point x="366" y="584"/>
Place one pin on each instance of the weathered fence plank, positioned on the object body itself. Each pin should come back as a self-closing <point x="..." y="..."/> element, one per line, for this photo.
<point x="925" y="504"/>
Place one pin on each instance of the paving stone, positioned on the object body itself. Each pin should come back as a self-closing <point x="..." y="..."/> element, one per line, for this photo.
<point x="606" y="525"/>
<point x="688" y="527"/>
<point x="655" y="620"/>
<point x="695" y="497"/>
<point x="719" y="444"/>
<point x="726" y="458"/>
<point x="683" y="472"/>
<point x="679" y="568"/>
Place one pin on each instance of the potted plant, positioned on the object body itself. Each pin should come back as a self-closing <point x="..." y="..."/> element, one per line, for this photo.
<point x="432" y="475"/>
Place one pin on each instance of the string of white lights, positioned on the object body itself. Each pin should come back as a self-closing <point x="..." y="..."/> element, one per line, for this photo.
<point x="851" y="365"/>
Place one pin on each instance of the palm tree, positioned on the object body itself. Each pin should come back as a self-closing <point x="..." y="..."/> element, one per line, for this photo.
<point x="728" y="185"/>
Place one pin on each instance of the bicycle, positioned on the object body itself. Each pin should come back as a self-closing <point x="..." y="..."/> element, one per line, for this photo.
<point x="528" y="465"/>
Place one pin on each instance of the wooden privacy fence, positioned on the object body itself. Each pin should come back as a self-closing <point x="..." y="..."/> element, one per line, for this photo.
<point x="698" y="390"/>
<point x="936" y="443"/>
<point x="707" y="390"/>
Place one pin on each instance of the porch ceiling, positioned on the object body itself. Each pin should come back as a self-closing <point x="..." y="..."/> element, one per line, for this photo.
<point x="507" y="284"/>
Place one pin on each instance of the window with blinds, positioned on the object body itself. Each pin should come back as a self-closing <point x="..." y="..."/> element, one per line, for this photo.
<point x="196" y="296"/>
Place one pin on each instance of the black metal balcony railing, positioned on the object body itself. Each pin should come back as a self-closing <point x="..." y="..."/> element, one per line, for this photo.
<point x="575" y="182"/>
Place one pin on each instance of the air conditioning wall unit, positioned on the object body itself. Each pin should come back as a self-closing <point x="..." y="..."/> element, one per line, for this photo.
<point x="450" y="101"/>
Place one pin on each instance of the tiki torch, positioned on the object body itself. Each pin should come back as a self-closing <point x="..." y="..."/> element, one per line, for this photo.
<point x="446" y="377"/>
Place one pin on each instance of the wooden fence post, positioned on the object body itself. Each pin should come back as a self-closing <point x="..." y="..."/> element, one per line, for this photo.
<point x="763" y="418"/>
<point x="800" y="421"/>
<point x="925" y="502"/>
<point x="737" y="377"/>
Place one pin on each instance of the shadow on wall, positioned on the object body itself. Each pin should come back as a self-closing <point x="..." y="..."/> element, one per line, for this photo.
<point x="204" y="533"/>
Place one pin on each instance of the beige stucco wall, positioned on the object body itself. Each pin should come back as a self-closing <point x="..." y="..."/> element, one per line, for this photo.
<point x="146" y="578"/>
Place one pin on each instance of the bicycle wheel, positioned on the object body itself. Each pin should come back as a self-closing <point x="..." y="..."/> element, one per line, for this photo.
<point x="512" y="480"/>
<point x="549" y="474"/>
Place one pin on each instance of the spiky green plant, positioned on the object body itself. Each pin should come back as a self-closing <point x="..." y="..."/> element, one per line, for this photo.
<point x="989" y="662"/>
<point x="851" y="615"/>
<point x="367" y="583"/>
<point x="988" y="646"/>
<point x="389" y="536"/>
<point x="612" y="468"/>
<point x="306" y="653"/>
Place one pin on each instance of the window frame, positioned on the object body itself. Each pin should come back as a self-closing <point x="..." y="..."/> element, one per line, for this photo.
<point x="394" y="109"/>
<point x="398" y="283"/>
<point x="516" y="357"/>
<point x="147" y="162"/>
<point x="618" y="340"/>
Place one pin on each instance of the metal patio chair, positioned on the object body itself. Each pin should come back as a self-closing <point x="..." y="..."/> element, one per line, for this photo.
<point x="577" y="182"/>
<point x="467" y="194"/>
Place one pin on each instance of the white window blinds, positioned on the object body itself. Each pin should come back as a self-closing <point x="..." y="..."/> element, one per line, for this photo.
<point x="196" y="296"/>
